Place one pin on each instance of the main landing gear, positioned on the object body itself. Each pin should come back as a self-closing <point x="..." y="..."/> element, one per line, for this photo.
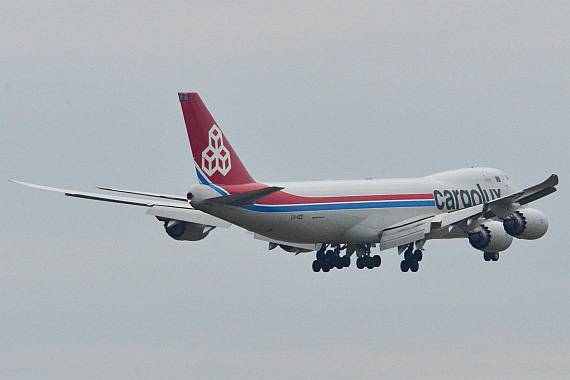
<point x="411" y="259"/>
<point x="329" y="259"/>
<point x="368" y="261"/>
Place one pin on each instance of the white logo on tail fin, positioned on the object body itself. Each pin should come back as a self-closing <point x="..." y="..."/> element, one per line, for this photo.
<point x="216" y="157"/>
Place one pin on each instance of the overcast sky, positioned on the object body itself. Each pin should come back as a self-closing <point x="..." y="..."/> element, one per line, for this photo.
<point x="326" y="90"/>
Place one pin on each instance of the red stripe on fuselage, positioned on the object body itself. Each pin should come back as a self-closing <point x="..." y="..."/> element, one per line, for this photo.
<point x="284" y="198"/>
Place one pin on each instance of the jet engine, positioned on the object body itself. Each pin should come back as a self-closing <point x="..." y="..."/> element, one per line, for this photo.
<point x="490" y="237"/>
<point x="179" y="230"/>
<point x="526" y="224"/>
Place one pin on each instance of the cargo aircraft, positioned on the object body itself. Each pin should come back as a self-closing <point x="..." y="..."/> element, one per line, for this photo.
<point x="338" y="219"/>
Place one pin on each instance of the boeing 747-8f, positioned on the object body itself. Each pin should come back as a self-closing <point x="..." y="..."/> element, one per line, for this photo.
<point x="338" y="219"/>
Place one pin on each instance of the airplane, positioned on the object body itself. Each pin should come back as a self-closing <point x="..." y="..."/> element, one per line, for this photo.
<point x="337" y="219"/>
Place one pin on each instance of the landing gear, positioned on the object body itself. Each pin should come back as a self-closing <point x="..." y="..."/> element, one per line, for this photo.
<point x="365" y="260"/>
<point x="369" y="262"/>
<point x="488" y="256"/>
<point x="317" y="266"/>
<point x="329" y="259"/>
<point x="377" y="260"/>
<point x="360" y="263"/>
<point x="418" y="255"/>
<point x="412" y="259"/>
<point x="414" y="266"/>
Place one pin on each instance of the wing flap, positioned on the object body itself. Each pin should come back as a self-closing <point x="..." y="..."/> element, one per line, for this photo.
<point x="415" y="229"/>
<point x="405" y="232"/>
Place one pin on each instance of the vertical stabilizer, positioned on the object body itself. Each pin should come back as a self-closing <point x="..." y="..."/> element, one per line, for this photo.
<point x="215" y="160"/>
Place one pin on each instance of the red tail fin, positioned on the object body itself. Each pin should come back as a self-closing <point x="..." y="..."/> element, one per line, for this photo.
<point x="215" y="160"/>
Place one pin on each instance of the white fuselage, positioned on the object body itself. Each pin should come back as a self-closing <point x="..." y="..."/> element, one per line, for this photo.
<point x="353" y="215"/>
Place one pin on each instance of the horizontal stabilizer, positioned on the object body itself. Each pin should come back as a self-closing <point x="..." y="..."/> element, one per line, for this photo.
<point x="245" y="198"/>
<point x="187" y="215"/>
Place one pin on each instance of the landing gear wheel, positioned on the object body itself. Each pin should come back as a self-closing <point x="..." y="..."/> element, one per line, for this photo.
<point x="377" y="261"/>
<point x="346" y="261"/>
<point x="495" y="256"/>
<point x="325" y="266"/>
<point x="487" y="256"/>
<point x="408" y="255"/>
<point x="316" y="266"/>
<point x="405" y="265"/>
<point x="414" y="266"/>
<point x="360" y="263"/>
<point x="320" y="255"/>
<point x="338" y="262"/>
<point x="418" y="255"/>
<point x="369" y="262"/>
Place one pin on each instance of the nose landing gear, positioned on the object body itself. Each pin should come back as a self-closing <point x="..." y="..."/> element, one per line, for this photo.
<point x="488" y="256"/>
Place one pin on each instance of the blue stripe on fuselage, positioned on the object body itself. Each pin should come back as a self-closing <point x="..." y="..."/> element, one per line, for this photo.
<point x="204" y="181"/>
<point x="340" y="206"/>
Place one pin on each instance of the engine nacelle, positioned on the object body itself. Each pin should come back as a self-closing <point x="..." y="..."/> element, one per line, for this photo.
<point x="179" y="230"/>
<point x="490" y="237"/>
<point x="526" y="224"/>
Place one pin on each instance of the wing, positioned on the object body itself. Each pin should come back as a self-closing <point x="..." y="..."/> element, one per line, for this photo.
<point x="166" y="206"/>
<point x="412" y="230"/>
<point x="146" y="194"/>
<point x="505" y="206"/>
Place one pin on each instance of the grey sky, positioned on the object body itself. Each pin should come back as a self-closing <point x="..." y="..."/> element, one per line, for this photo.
<point x="326" y="90"/>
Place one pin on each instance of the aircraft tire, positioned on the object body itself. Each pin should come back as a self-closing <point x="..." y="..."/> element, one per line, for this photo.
<point x="414" y="266"/>
<point x="346" y="261"/>
<point x="316" y="266"/>
<point x="418" y="255"/>
<point x="487" y="256"/>
<point x="405" y="266"/>
<point x="495" y="256"/>
<point x="338" y="262"/>
<point x="320" y="255"/>
<point x="360" y="263"/>
<point x="369" y="262"/>
<point x="377" y="260"/>
<point x="408" y="255"/>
